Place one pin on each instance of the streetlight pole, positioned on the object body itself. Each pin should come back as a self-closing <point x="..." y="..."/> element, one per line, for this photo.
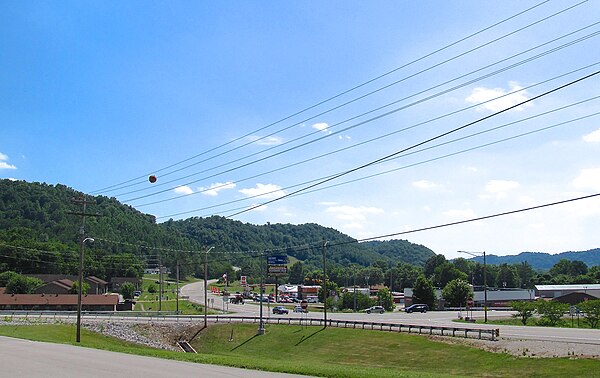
<point x="205" y="286"/>
<point x="261" y="324"/>
<point x="83" y="240"/>
<point x="324" y="286"/>
<point x="485" y="309"/>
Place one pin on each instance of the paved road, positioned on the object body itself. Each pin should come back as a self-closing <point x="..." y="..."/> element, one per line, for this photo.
<point x="440" y="318"/>
<point x="23" y="358"/>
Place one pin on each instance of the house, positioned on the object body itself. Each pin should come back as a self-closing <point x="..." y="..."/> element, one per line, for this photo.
<point x="574" y="298"/>
<point x="56" y="287"/>
<point x="58" y="302"/>
<point x="97" y="285"/>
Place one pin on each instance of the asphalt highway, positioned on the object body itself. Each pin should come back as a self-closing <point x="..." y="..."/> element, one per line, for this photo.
<point x="438" y="318"/>
<point x="24" y="358"/>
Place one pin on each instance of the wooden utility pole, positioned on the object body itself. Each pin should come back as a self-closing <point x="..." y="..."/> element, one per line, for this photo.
<point x="82" y="239"/>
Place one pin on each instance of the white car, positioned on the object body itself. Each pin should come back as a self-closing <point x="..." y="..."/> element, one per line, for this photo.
<point x="299" y="309"/>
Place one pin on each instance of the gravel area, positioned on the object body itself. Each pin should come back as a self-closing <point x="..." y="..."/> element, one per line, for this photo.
<point x="529" y="348"/>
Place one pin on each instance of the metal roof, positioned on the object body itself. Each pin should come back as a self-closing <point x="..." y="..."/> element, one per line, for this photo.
<point x="581" y="287"/>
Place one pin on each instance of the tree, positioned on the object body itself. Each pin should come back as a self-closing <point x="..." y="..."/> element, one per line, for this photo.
<point x="152" y="288"/>
<point x="296" y="273"/>
<point x="525" y="273"/>
<point x="524" y="310"/>
<point x="507" y="276"/>
<point x="447" y="272"/>
<point x="6" y="276"/>
<point x="384" y="298"/>
<point x="569" y="268"/>
<point x="550" y="311"/>
<point x="75" y="288"/>
<point x="432" y="263"/>
<point x="456" y="293"/>
<point x="20" y="284"/>
<point x="591" y="309"/>
<point x="126" y="290"/>
<point x="424" y="292"/>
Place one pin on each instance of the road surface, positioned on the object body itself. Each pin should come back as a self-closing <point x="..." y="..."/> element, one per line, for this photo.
<point x="24" y="358"/>
<point x="438" y="318"/>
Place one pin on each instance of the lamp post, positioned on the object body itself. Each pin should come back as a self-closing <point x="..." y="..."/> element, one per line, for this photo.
<point x="484" y="279"/>
<point x="205" y="286"/>
<point x="83" y="240"/>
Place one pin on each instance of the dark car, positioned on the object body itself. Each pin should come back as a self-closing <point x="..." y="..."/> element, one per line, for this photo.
<point x="280" y="310"/>
<point x="417" y="308"/>
<point x="378" y="309"/>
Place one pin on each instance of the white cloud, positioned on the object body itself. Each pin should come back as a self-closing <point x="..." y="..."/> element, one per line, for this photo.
<point x="588" y="179"/>
<point x="214" y="189"/>
<point x="351" y="213"/>
<point x="266" y="141"/>
<point x="4" y="164"/>
<point x="424" y="184"/>
<point x="327" y="203"/>
<point x="322" y="126"/>
<point x="500" y="186"/>
<point x="459" y="214"/>
<point x="499" y="189"/>
<point x="482" y="94"/>
<point x="184" y="189"/>
<point x="267" y="191"/>
<point x="593" y="137"/>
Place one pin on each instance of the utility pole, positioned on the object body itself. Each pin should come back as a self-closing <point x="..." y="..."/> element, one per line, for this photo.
<point x="82" y="239"/>
<point x="485" y="309"/>
<point x="206" y="286"/>
<point x="324" y="285"/>
<point x="160" y="282"/>
<point x="177" y="288"/>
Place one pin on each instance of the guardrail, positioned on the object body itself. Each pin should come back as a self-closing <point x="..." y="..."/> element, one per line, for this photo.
<point x="466" y="332"/>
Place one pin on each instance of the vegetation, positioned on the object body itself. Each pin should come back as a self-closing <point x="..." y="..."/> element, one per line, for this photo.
<point x="126" y="290"/>
<point x="457" y="292"/>
<point x="424" y="292"/>
<point x="19" y="284"/>
<point x="330" y="353"/>
<point x="591" y="309"/>
<point x="524" y="309"/>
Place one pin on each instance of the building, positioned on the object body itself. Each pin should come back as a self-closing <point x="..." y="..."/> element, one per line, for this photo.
<point x="56" y="287"/>
<point x="58" y="302"/>
<point x="555" y="291"/>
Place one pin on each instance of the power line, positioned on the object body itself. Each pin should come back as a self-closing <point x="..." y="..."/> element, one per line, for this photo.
<point x="375" y="139"/>
<point x="112" y="187"/>
<point x="464" y="84"/>
<point x="404" y="155"/>
<point x="419" y="144"/>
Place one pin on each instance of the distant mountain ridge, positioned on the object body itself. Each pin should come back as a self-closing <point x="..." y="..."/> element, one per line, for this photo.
<point x="544" y="261"/>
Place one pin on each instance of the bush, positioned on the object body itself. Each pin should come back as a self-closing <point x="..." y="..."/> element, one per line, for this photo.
<point x="152" y="288"/>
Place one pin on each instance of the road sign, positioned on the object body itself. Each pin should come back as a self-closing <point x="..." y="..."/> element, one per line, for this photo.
<point x="277" y="269"/>
<point x="243" y="280"/>
<point x="277" y="260"/>
<point x="470" y="302"/>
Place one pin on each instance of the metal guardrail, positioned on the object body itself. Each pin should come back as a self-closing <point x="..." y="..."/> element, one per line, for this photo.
<point x="466" y="332"/>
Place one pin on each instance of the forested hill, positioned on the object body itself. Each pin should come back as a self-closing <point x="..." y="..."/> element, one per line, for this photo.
<point x="39" y="217"/>
<point x="544" y="261"/>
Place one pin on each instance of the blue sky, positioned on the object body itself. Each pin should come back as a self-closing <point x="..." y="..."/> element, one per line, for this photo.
<point x="95" y="94"/>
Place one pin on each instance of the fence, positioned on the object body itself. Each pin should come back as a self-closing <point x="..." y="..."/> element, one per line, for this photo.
<point x="480" y="333"/>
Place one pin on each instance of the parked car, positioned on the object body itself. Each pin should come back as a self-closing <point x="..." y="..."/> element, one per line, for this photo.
<point x="417" y="308"/>
<point x="312" y="299"/>
<point x="137" y="293"/>
<point x="378" y="309"/>
<point x="299" y="309"/>
<point x="280" y="310"/>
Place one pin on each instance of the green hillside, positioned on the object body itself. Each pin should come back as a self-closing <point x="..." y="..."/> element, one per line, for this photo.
<point x="39" y="234"/>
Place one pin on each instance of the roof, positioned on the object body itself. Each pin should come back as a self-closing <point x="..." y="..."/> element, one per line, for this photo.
<point x="96" y="280"/>
<point x="57" y="299"/>
<point x="581" y="287"/>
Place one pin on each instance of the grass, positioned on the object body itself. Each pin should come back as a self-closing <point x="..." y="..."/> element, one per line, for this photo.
<point x="331" y="352"/>
<point x="534" y="322"/>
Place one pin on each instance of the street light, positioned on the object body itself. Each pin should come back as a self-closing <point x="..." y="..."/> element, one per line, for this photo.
<point x="80" y="287"/>
<point x="484" y="280"/>
<point x="205" y="286"/>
